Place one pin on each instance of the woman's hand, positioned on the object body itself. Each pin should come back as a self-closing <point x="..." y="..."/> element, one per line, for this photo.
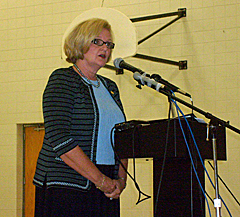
<point x="107" y="185"/>
<point x="120" y="186"/>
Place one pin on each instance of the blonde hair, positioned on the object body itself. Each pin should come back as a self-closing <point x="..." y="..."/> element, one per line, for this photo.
<point x="78" y="41"/>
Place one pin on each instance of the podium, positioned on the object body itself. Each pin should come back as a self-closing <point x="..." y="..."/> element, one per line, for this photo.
<point x="180" y="193"/>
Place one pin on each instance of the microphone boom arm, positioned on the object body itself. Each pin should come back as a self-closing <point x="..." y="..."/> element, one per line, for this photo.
<point x="142" y="79"/>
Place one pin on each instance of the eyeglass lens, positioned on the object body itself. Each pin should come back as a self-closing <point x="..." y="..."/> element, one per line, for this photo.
<point x="100" y="42"/>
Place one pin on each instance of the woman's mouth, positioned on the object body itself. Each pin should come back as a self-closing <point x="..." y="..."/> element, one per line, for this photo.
<point x="102" y="56"/>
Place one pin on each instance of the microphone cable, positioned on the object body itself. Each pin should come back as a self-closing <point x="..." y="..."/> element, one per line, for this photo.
<point x="164" y="159"/>
<point x="178" y="109"/>
<point x="190" y="155"/>
<point x="225" y="185"/>
<point x="125" y="169"/>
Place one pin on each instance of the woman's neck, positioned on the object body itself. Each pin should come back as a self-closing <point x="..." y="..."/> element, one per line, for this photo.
<point x="87" y="71"/>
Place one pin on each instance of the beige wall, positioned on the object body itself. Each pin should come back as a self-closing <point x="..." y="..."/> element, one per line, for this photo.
<point x="208" y="38"/>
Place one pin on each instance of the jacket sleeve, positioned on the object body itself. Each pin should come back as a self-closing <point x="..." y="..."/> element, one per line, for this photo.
<point x="58" y="102"/>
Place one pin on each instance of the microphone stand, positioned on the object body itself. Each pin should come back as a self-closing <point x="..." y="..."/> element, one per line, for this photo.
<point x="144" y="79"/>
<point x="217" y="200"/>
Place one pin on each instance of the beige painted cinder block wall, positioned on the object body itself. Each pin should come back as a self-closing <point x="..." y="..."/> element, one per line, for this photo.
<point x="208" y="38"/>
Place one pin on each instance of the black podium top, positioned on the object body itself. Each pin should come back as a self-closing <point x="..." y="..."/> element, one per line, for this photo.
<point x="143" y="139"/>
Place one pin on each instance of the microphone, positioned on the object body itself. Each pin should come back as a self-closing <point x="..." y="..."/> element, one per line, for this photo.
<point x="121" y="64"/>
<point x="168" y="85"/>
<point x="144" y="78"/>
<point x="139" y="75"/>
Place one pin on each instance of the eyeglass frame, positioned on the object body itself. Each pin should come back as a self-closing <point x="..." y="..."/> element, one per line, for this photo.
<point x="109" y="44"/>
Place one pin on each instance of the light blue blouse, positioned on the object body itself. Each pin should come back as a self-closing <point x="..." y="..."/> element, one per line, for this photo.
<point x="109" y="115"/>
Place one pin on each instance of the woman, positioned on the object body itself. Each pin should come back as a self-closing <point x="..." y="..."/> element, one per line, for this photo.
<point x="77" y="173"/>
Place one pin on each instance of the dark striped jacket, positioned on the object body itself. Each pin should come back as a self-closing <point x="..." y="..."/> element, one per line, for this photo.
<point x="71" y="118"/>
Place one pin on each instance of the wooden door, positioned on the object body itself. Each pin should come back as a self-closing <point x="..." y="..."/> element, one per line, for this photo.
<point x="34" y="135"/>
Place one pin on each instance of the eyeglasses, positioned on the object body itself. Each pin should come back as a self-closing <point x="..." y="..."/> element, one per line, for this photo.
<point x="100" y="42"/>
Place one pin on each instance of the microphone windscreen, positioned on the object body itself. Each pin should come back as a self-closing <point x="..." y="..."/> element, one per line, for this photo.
<point x="117" y="62"/>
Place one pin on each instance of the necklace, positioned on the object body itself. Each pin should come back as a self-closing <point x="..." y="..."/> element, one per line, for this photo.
<point x="89" y="81"/>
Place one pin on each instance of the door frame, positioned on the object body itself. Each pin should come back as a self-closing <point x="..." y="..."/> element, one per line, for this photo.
<point x="21" y="165"/>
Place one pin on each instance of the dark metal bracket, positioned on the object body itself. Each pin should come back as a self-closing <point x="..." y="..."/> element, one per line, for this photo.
<point x="182" y="12"/>
<point x="181" y="64"/>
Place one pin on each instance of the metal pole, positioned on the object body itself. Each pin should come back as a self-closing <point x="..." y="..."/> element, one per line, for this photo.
<point x="217" y="200"/>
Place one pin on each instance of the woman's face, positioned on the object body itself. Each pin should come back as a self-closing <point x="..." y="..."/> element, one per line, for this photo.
<point x="97" y="56"/>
